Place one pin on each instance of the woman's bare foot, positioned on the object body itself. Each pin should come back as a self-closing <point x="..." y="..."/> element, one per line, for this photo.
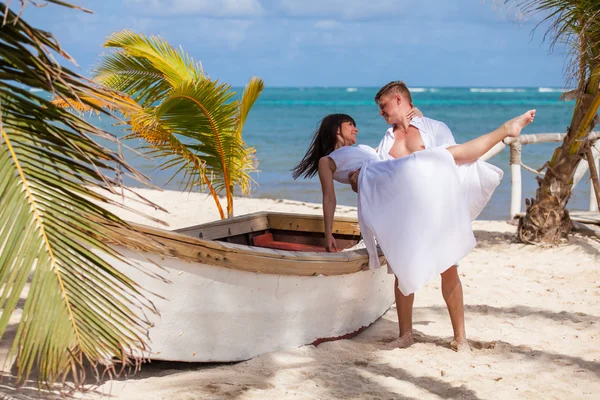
<point x="514" y="126"/>
<point x="402" y="342"/>
<point x="460" y="346"/>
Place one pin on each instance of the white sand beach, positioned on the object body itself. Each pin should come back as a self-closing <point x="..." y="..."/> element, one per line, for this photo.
<point x="532" y="317"/>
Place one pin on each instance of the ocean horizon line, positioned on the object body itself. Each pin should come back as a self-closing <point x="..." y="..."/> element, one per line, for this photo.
<point x="416" y="88"/>
<point x="412" y="87"/>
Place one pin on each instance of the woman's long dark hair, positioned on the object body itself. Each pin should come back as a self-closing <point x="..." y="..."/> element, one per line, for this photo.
<point x="323" y="143"/>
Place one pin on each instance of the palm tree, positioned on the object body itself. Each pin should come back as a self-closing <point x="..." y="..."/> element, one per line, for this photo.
<point x="577" y="24"/>
<point x="79" y="310"/>
<point x="184" y="116"/>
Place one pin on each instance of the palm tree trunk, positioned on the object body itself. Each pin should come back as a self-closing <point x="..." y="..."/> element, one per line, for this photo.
<point x="214" y="195"/>
<point x="547" y="219"/>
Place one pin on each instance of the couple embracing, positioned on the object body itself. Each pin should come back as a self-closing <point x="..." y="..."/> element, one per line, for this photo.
<point x="417" y="195"/>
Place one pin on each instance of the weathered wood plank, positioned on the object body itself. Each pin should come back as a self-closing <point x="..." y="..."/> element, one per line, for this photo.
<point x="268" y="261"/>
<point x="312" y="223"/>
<point x="225" y="228"/>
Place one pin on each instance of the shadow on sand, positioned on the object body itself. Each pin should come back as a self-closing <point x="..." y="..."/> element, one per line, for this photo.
<point x="490" y="239"/>
<point x="362" y="375"/>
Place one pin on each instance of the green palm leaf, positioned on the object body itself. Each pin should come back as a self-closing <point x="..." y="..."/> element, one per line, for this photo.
<point x="251" y="92"/>
<point x="246" y="163"/>
<point x="185" y="113"/>
<point x="172" y="65"/>
<point x="79" y="309"/>
<point x="575" y="23"/>
<point x="133" y="75"/>
<point x="200" y="111"/>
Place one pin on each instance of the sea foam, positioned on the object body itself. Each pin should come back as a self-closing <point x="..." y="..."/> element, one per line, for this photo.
<point x="496" y="90"/>
<point x="551" y="90"/>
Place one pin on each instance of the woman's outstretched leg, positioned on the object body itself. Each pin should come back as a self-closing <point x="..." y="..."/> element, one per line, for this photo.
<point x="513" y="127"/>
<point x="473" y="149"/>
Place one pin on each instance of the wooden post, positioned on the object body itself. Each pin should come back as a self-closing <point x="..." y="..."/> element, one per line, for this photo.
<point x="584" y="166"/>
<point x="515" y="164"/>
<point x="594" y="186"/>
<point x="515" y="179"/>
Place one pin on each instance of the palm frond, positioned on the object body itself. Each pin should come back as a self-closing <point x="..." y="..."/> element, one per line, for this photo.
<point x="135" y="76"/>
<point x="95" y="104"/>
<point x="251" y="92"/>
<point x="175" y="66"/>
<point x="201" y="110"/>
<point x="180" y="101"/>
<point x="163" y="144"/>
<point x="247" y="162"/>
<point x="574" y="23"/>
<point x="79" y="309"/>
<point x="57" y="2"/>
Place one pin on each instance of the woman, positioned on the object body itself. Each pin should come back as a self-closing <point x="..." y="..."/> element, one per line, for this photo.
<point x="417" y="207"/>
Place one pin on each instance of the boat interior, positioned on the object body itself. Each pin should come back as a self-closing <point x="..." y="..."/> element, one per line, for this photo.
<point x="291" y="232"/>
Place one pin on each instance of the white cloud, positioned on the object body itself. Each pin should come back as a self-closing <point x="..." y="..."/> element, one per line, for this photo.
<point x="344" y="9"/>
<point x="235" y="35"/>
<point x="326" y="24"/>
<point x="204" y="8"/>
<point x="226" y="34"/>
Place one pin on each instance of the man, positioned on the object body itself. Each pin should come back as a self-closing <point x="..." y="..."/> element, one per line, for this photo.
<point x="404" y="137"/>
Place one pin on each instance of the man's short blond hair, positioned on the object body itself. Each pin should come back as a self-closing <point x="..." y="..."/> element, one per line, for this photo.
<point x="394" y="87"/>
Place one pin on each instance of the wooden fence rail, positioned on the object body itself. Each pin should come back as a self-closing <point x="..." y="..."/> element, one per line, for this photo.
<point x="516" y="164"/>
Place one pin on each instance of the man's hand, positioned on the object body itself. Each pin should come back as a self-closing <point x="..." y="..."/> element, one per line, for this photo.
<point x="415" y="112"/>
<point x="353" y="177"/>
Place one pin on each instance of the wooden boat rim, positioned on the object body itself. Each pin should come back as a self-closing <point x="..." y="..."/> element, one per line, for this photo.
<point x="256" y="259"/>
<point x="244" y="249"/>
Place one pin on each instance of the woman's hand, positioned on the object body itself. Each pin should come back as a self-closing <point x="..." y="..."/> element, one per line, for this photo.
<point x="331" y="245"/>
<point x="415" y="112"/>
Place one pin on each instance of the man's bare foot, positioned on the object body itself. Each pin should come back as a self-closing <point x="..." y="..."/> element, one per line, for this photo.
<point x="460" y="346"/>
<point x="514" y="126"/>
<point x="402" y="342"/>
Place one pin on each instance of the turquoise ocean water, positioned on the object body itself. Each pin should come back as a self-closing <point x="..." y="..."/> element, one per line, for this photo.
<point x="283" y="121"/>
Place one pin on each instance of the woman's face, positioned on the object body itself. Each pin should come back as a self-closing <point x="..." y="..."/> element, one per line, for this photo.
<point x="347" y="134"/>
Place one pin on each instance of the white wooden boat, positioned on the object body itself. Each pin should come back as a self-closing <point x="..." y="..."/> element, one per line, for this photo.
<point x="231" y="300"/>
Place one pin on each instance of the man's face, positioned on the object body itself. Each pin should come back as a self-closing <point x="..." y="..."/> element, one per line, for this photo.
<point x="391" y="108"/>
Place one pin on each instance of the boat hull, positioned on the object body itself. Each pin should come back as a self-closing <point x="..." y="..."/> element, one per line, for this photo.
<point x="212" y="313"/>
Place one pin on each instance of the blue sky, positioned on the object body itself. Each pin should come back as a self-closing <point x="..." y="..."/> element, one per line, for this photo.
<point x="324" y="42"/>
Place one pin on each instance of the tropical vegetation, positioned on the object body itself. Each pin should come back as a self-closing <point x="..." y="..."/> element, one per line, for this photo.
<point x="576" y="24"/>
<point x="186" y="119"/>
<point x="77" y="311"/>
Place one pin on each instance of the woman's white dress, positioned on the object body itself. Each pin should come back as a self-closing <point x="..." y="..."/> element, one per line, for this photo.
<point x="418" y="208"/>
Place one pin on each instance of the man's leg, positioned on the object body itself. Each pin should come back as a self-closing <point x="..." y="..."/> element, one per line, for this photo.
<point x="404" y="307"/>
<point x="453" y="295"/>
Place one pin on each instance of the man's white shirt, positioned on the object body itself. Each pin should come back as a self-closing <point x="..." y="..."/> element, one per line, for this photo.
<point x="433" y="133"/>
